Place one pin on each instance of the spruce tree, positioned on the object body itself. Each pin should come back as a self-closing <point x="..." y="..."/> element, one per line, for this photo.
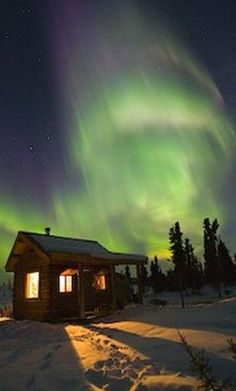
<point x="188" y="258"/>
<point x="144" y="276"/>
<point x="155" y="275"/>
<point x="200" y="366"/>
<point x="212" y="264"/>
<point x="193" y="267"/>
<point x="178" y="258"/>
<point x="226" y="264"/>
<point x="127" y="272"/>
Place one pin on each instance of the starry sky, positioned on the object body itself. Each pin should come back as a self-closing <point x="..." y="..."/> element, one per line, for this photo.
<point x="117" y="119"/>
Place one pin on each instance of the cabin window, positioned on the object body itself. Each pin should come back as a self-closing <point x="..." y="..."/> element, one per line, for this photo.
<point x="100" y="281"/>
<point x="65" y="283"/>
<point x="32" y="285"/>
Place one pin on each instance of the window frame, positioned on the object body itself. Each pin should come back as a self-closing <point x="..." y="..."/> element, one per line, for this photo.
<point x="25" y="285"/>
<point x="65" y="284"/>
<point x="100" y="287"/>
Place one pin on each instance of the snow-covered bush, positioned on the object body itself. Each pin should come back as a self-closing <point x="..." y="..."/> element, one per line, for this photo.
<point x="6" y="311"/>
<point x="201" y="367"/>
<point x="6" y="289"/>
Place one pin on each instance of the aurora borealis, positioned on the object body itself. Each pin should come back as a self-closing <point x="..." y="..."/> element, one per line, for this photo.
<point x="145" y="138"/>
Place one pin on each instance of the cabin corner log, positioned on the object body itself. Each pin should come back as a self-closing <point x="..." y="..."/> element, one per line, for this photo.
<point x="113" y="288"/>
<point x="82" y="293"/>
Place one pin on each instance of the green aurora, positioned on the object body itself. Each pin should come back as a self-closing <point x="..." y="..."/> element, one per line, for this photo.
<point x="148" y="150"/>
<point x="146" y="132"/>
<point x="147" y="139"/>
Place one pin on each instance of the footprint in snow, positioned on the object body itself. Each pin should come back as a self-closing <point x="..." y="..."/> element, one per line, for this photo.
<point x="113" y="346"/>
<point x="46" y="361"/>
<point x="100" y="364"/>
<point x="47" y="356"/>
<point x="119" y="384"/>
<point x="30" y="382"/>
<point x="96" y="377"/>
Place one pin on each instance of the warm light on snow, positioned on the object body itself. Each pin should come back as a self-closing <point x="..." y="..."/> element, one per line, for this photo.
<point x="134" y="349"/>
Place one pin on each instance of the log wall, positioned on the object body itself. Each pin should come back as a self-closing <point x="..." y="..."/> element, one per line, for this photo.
<point x="24" y="308"/>
<point x="53" y="305"/>
<point x="63" y="305"/>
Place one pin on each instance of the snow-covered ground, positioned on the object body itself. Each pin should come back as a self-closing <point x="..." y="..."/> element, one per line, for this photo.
<point x="135" y="349"/>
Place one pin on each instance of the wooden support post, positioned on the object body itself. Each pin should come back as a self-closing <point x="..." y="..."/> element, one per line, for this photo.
<point x="81" y="294"/>
<point x="113" y="288"/>
<point x="140" y="283"/>
<point x="14" y="296"/>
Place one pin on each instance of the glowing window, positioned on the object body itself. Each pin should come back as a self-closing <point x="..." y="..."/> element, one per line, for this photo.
<point x="100" y="281"/>
<point x="32" y="285"/>
<point x="65" y="283"/>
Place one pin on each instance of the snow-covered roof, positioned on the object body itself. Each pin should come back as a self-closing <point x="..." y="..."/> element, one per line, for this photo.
<point x="51" y="243"/>
<point x="55" y="246"/>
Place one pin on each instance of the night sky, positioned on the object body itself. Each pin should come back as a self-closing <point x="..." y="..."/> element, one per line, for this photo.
<point x="117" y="119"/>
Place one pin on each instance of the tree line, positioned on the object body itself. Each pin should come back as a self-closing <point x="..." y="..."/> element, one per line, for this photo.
<point x="218" y="269"/>
<point x="188" y="273"/>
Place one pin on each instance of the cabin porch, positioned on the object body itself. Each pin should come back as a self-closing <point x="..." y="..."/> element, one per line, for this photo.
<point x="83" y="292"/>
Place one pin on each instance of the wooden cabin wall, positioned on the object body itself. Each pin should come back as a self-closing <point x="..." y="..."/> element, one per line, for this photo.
<point x="53" y="305"/>
<point x="63" y="305"/>
<point x="97" y="299"/>
<point x="35" y="309"/>
<point x="67" y="305"/>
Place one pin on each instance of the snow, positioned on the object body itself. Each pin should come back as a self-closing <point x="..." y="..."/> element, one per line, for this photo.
<point x="135" y="349"/>
<point x="52" y="243"/>
<point x="57" y="243"/>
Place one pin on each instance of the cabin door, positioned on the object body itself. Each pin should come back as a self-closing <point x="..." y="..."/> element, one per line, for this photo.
<point x="89" y="291"/>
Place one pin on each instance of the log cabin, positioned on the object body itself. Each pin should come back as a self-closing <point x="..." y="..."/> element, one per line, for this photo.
<point x="58" y="278"/>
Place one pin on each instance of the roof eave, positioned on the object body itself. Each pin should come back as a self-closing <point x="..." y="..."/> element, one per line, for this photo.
<point x="112" y="258"/>
<point x="13" y="258"/>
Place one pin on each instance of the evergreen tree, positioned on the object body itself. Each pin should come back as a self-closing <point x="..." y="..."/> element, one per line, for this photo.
<point x="193" y="267"/>
<point x="201" y="367"/>
<point x="154" y="269"/>
<point x="178" y="257"/>
<point x="144" y="276"/>
<point x="170" y="281"/>
<point x="226" y="264"/>
<point x="212" y="264"/>
<point x="188" y="249"/>
<point x="127" y="272"/>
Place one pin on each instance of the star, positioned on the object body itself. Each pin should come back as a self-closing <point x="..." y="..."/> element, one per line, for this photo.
<point x="32" y="147"/>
